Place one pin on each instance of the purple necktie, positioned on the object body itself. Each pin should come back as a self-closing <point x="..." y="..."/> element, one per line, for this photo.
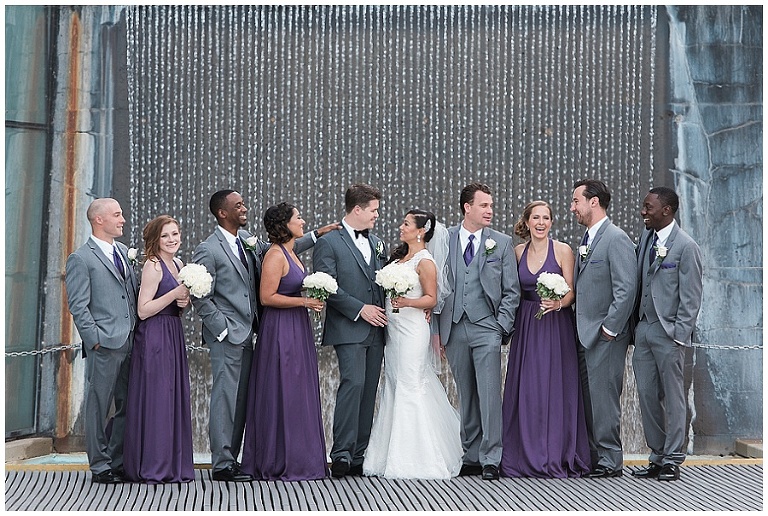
<point x="469" y="252"/>
<point x="118" y="262"/>
<point x="653" y="248"/>
<point x="241" y="253"/>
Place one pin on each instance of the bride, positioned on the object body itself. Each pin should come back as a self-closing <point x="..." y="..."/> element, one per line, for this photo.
<point x="416" y="433"/>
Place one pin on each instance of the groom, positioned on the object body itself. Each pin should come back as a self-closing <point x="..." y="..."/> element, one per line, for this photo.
<point x="479" y="313"/>
<point x="354" y="323"/>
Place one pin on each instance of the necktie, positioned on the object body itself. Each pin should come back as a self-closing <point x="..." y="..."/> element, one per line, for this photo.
<point x="241" y="253"/>
<point x="469" y="252"/>
<point x="118" y="262"/>
<point x="363" y="232"/>
<point x="585" y="239"/>
<point x="653" y="248"/>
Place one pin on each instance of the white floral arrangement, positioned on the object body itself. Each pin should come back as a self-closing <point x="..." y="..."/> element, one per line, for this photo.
<point x="661" y="251"/>
<point x="397" y="280"/>
<point x="583" y="252"/>
<point x="133" y="255"/>
<point x="251" y="243"/>
<point x="197" y="279"/>
<point x="320" y="285"/>
<point x="550" y="286"/>
<point x="490" y="246"/>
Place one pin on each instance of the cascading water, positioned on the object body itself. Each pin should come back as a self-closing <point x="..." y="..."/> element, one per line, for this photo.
<point x="296" y="103"/>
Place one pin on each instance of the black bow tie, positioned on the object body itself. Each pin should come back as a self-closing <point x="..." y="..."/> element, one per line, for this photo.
<point x="363" y="232"/>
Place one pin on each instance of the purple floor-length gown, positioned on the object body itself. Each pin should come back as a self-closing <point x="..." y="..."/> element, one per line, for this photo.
<point x="284" y="436"/>
<point x="545" y="434"/>
<point x="158" y="426"/>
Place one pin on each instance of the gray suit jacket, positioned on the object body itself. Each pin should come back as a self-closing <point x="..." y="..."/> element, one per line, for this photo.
<point x="336" y="254"/>
<point x="498" y="279"/>
<point x="233" y="303"/>
<point x="605" y="284"/>
<point x="675" y="284"/>
<point x="102" y="305"/>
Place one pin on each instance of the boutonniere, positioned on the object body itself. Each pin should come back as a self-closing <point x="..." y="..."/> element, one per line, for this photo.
<point x="584" y="252"/>
<point x="133" y="255"/>
<point x="380" y="250"/>
<point x="251" y="243"/>
<point x="490" y="246"/>
<point x="661" y="252"/>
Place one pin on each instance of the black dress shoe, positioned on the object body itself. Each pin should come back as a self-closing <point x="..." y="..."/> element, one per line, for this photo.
<point x="603" y="472"/>
<point x="669" y="472"/>
<point x="355" y="471"/>
<point x="470" y="470"/>
<point x="340" y="467"/>
<point x="231" y="474"/>
<point x="106" y="477"/>
<point x="119" y="472"/>
<point x="490" y="472"/>
<point x="652" y="471"/>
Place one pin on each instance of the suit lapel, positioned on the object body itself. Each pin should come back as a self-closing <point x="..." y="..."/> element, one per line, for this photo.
<point x="236" y="263"/>
<point x="656" y="265"/>
<point x="481" y="248"/>
<point x="354" y="250"/>
<point x="107" y="263"/>
<point x="454" y="254"/>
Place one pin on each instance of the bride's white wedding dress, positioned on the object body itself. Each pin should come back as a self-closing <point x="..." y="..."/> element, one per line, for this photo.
<point x="416" y="432"/>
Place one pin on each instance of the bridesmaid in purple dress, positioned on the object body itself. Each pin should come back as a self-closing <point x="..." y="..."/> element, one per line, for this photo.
<point x="544" y="430"/>
<point x="284" y="436"/>
<point x="158" y="427"/>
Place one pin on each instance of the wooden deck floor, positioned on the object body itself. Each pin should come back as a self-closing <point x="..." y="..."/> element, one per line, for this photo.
<point x="722" y="487"/>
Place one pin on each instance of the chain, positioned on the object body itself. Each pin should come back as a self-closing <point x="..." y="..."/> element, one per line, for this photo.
<point x="715" y="346"/>
<point x="64" y="347"/>
<point x="204" y="349"/>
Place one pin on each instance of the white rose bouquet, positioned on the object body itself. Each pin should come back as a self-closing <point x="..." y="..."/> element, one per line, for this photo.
<point x="197" y="279"/>
<point x="319" y="285"/>
<point x="396" y="280"/>
<point x="550" y="286"/>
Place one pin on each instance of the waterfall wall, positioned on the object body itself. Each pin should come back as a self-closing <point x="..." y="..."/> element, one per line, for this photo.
<point x="296" y="103"/>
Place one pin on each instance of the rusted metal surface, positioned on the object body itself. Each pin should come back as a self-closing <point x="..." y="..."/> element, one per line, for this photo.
<point x="68" y="224"/>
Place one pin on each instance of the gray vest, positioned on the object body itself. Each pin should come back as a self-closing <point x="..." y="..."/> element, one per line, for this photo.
<point x="469" y="297"/>
<point x="647" y="310"/>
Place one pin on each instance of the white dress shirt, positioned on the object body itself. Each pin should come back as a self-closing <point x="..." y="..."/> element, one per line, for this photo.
<point x="361" y="242"/>
<point x="464" y="239"/>
<point x="108" y="250"/>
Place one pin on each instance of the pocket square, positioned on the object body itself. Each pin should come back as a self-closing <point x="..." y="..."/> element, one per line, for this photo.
<point x="596" y="261"/>
<point x="668" y="265"/>
<point x="493" y="260"/>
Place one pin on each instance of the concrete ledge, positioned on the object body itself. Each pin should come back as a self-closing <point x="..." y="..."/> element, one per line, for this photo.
<point x="28" y="448"/>
<point x="752" y="448"/>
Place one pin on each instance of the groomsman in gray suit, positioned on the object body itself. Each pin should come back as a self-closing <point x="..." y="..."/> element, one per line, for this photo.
<point x="354" y="323"/>
<point x="230" y="315"/>
<point x="670" y="285"/>
<point x="605" y="285"/>
<point x="478" y="315"/>
<point x="101" y="293"/>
